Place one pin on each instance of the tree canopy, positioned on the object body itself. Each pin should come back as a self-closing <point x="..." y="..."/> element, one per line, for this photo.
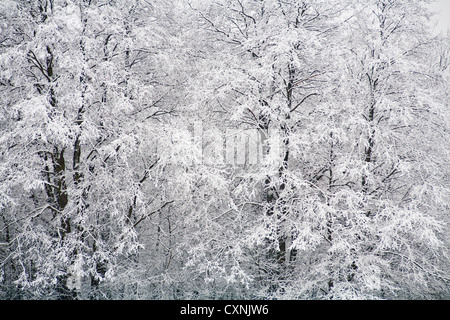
<point x="223" y="149"/>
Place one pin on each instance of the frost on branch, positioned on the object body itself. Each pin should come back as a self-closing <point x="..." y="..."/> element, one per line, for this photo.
<point x="223" y="149"/>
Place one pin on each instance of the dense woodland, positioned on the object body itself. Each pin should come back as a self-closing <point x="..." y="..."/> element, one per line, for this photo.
<point x="107" y="193"/>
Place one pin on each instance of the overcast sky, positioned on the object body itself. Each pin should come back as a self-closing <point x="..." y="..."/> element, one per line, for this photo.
<point x="444" y="16"/>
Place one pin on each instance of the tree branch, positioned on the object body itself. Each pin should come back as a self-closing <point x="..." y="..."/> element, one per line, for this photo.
<point x="145" y="216"/>
<point x="303" y="100"/>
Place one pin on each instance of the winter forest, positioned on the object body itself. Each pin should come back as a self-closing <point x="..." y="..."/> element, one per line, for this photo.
<point x="223" y="149"/>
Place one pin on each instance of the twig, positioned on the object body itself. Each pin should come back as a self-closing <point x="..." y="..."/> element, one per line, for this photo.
<point x="303" y="100"/>
<point x="145" y="216"/>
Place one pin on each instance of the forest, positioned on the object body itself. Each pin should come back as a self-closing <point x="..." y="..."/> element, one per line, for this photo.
<point x="223" y="149"/>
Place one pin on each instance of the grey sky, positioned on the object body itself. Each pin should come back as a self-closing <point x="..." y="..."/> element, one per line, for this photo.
<point x="443" y="18"/>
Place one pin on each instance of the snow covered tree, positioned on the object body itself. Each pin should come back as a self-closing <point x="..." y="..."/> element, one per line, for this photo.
<point x="222" y="149"/>
<point x="383" y="225"/>
<point x="74" y="162"/>
<point x="347" y="88"/>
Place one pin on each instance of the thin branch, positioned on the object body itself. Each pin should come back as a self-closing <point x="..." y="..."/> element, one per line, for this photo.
<point x="239" y="205"/>
<point x="303" y="100"/>
<point x="145" y="216"/>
